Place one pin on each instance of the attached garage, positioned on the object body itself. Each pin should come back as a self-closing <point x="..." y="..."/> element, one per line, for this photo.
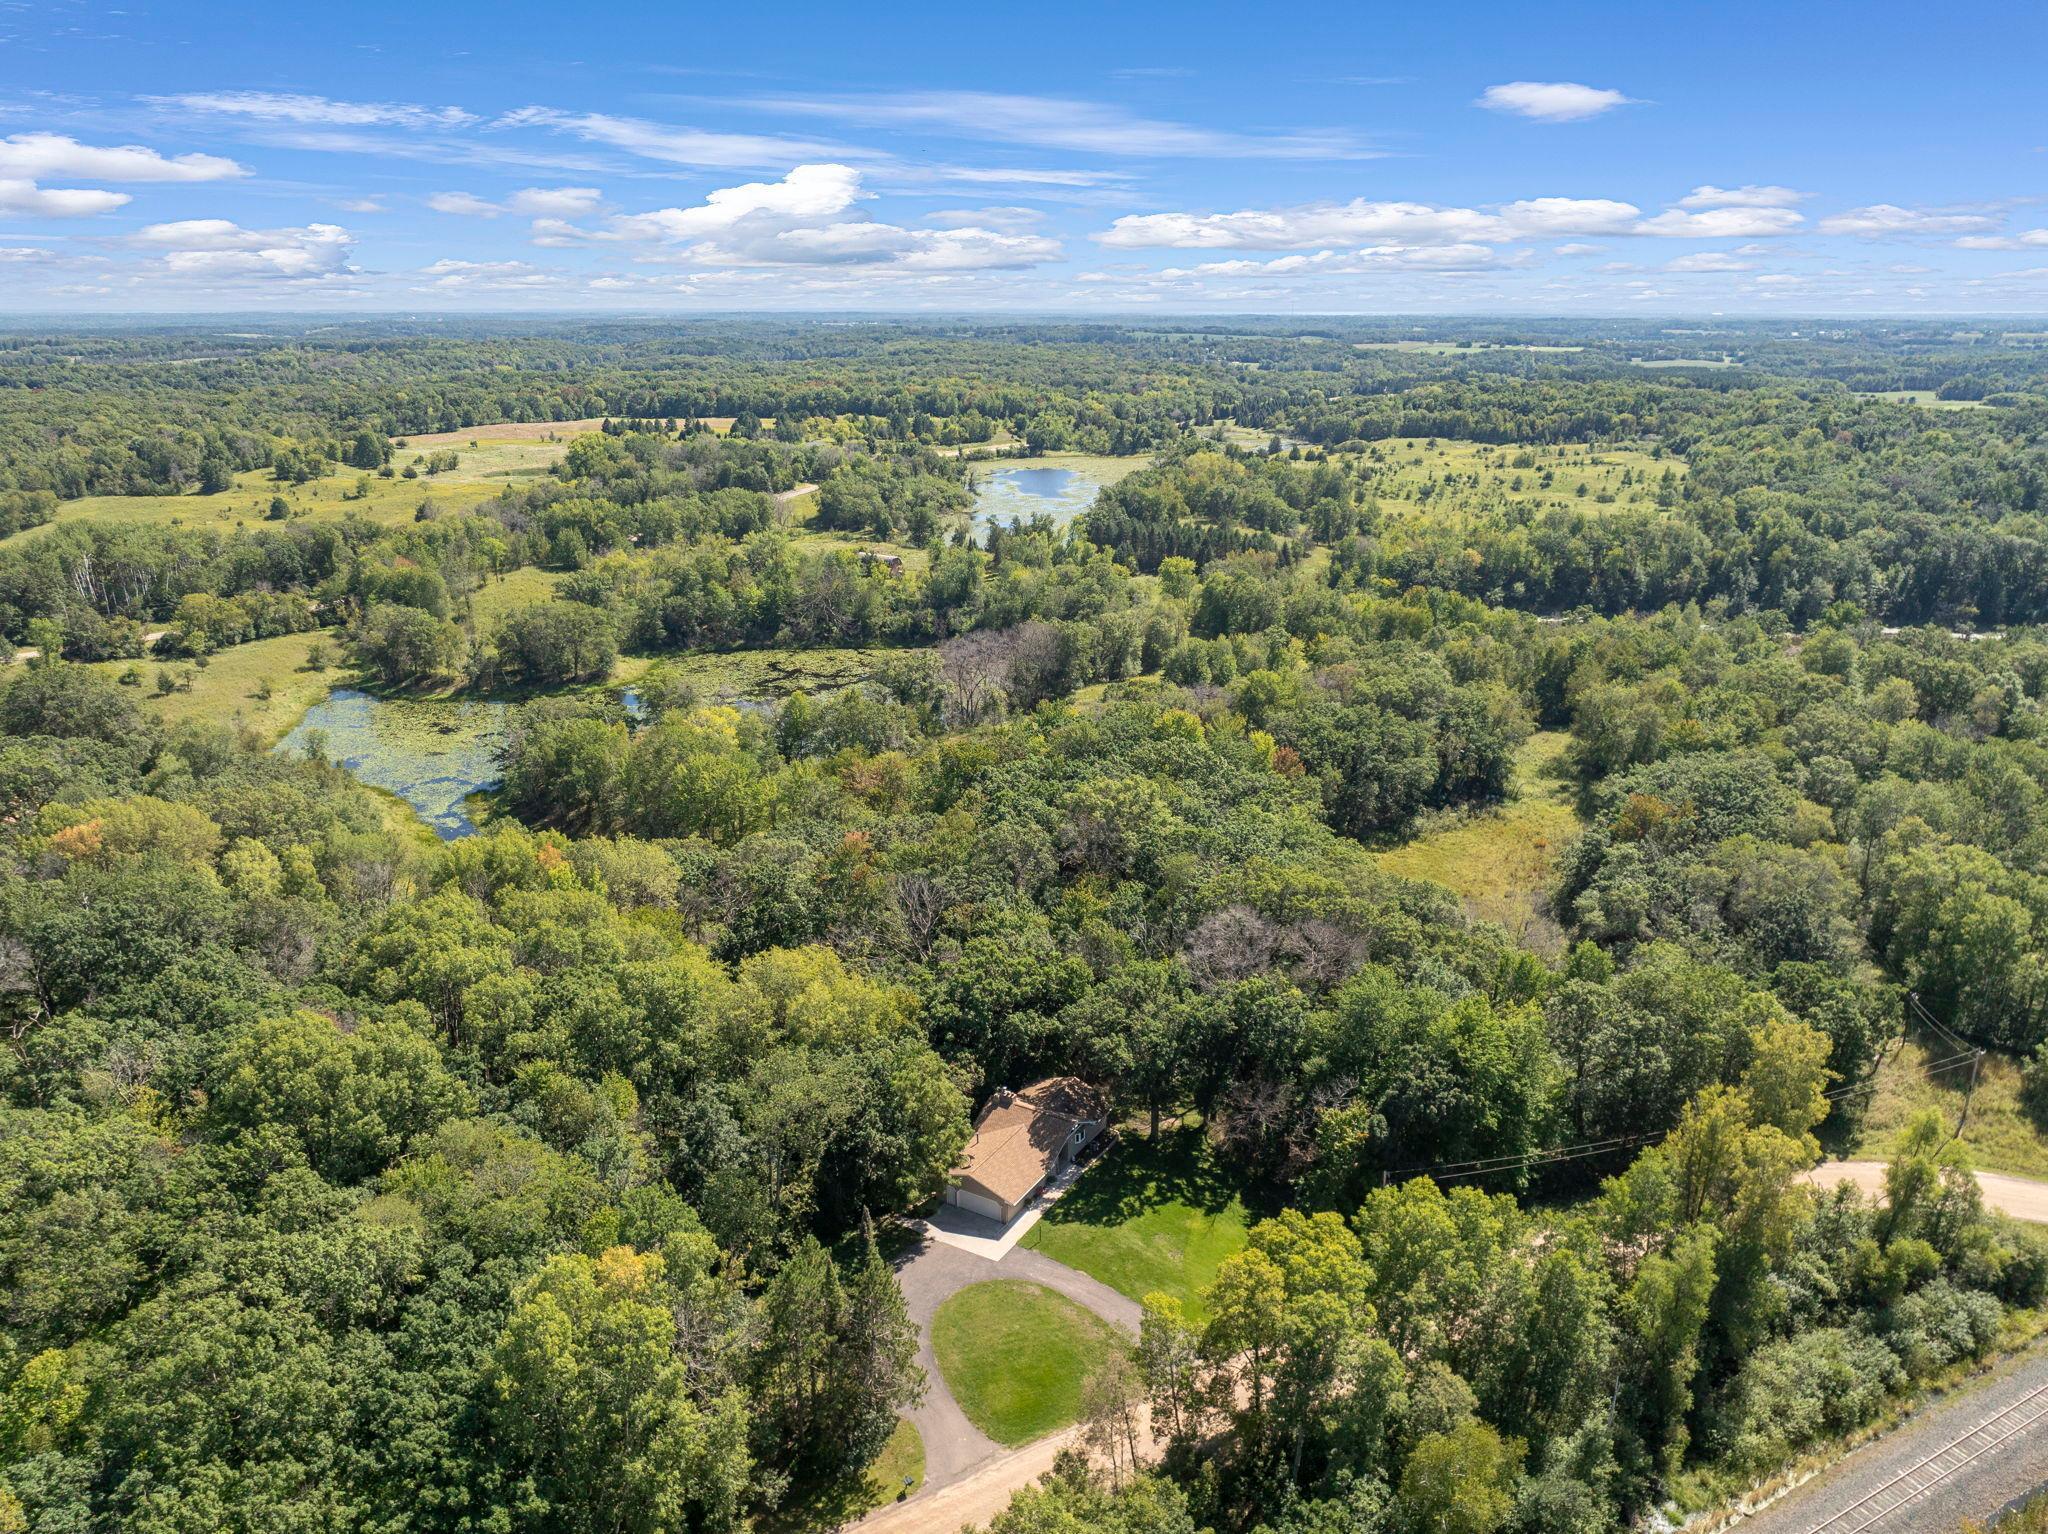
<point x="1021" y="1141"/>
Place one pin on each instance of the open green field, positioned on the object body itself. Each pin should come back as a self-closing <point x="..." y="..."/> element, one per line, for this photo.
<point x="1015" y="1355"/>
<point x="1500" y="861"/>
<point x="1444" y="479"/>
<point x="230" y="688"/>
<point x="1151" y="1216"/>
<point x="1685" y="362"/>
<point x="482" y="473"/>
<point x="1998" y="1133"/>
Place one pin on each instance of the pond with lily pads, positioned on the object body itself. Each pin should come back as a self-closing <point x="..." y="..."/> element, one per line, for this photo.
<point x="431" y="752"/>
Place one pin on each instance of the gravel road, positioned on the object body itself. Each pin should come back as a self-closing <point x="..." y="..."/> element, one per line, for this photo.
<point x="2020" y="1197"/>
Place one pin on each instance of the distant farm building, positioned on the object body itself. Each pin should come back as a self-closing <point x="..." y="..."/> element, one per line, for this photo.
<point x="892" y="563"/>
<point x="1022" y="1140"/>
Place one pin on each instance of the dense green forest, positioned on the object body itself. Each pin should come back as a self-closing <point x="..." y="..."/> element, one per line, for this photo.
<point x="550" y="1178"/>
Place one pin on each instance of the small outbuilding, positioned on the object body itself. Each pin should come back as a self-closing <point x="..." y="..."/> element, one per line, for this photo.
<point x="1022" y="1140"/>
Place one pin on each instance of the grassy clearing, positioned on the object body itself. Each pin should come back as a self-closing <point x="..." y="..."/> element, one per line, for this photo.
<point x="1015" y="1356"/>
<point x="1452" y="348"/>
<point x="1500" y="861"/>
<point x="1926" y="398"/>
<point x="500" y="594"/>
<point x="902" y="1458"/>
<point x="482" y="473"/>
<point x="1998" y="1133"/>
<point x="1685" y="362"/>
<point x="1149" y="1216"/>
<point x="1460" y="481"/>
<point x="231" y="687"/>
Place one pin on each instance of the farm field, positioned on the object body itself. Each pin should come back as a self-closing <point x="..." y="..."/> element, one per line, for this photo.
<point x="1437" y="477"/>
<point x="1016" y="1355"/>
<point x="1500" y="861"/>
<point x="1151" y="1216"/>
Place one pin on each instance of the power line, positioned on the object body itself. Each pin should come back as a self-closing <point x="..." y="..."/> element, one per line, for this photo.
<point x="1486" y="1166"/>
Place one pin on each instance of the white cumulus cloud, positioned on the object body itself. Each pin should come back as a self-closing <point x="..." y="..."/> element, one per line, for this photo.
<point x="203" y="248"/>
<point x="808" y="218"/>
<point x="39" y="156"/>
<point x="1550" y="101"/>
<point x="23" y="198"/>
<point x="1733" y="223"/>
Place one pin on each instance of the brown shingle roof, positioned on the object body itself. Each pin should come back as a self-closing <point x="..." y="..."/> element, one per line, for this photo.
<point x="1018" y="1138"/>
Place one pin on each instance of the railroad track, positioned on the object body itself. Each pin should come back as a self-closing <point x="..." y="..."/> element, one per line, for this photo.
<point x="1916" y="1481"/>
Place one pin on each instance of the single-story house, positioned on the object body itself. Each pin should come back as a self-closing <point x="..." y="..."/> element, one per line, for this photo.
<point x="1021" y="1141"/>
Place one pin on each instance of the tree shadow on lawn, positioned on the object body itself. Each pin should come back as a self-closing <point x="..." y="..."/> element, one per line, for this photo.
<point x="1135" y="1175"/>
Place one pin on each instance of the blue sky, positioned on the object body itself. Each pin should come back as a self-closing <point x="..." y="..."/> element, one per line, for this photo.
<point x="1814" y="158"/>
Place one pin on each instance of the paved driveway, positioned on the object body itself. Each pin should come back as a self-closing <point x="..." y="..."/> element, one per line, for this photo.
<point x="930" y="1272"/>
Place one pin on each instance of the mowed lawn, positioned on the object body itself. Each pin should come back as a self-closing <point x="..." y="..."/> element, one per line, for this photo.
<point x="1015" y="1356"/>
<point x="901" y="1459"/>
<point x="1148" y="1217"/>
<point x="1499" y="861"/>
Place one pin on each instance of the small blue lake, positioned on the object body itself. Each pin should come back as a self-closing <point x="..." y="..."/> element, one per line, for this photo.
<point x="1058" y="491"/>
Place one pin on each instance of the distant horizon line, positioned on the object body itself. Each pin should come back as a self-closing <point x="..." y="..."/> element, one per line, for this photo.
<point x="1419" y="316"/>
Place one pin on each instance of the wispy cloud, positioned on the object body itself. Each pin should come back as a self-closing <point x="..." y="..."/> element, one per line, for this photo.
<point x="531" y="202"/>
<point x="1364" y="221"/>
<point x="1050" y="122"/>
<point x="1742" y="197"/>
<point x="292" y="107"/>
<point x="672" y="144"/>
<point x="1886" y="220"/>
